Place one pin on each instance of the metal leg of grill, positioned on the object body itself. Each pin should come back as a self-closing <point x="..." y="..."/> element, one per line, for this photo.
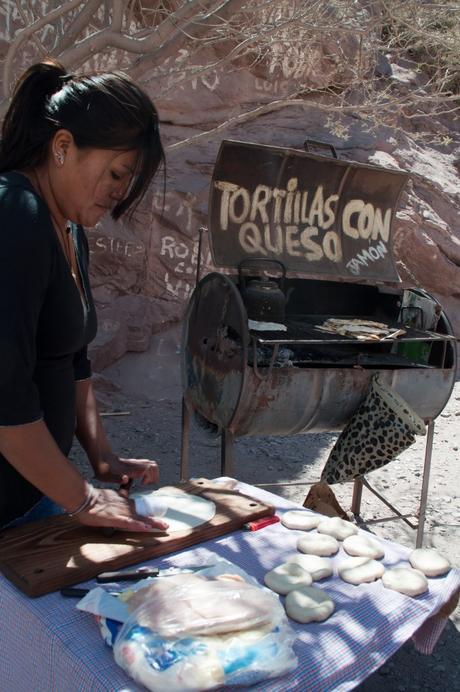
<point x="395" y="510"/>
<point x="357" y="496"/>
<point x="425" y="483"/>
<point x="185" y="440"/>
<point x="227" y="453"/>
<point x="359" y="483"/>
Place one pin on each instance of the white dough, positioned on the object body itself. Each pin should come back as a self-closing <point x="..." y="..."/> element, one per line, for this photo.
<point x="318" y="567"/>
<point x="309" y="604"/>
<point x="287" y="577"/>
<point x="406" y="580"/>
<point x="360" y="570"/>
<point x="363" y="546"/>
<point x="259" y="326"/>
<point x="315" y="544"/>
<point x="184" y="511"/>
<point x="339" y="528"/>
<point x="429" y="561"/>
<point x="150" y="505"/>
<point x="296" y="519"/>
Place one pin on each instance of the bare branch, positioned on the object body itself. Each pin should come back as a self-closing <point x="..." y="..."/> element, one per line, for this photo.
<point x="238" y="120"/>
<point x="81" y="21"/>
<point x="201" y="71"/>
<point x="26" y="21"/>
<point x="118" y="9"/>
<point x="26" y="33"/>
<point x="197" y="29"/>
<point x="104" y="38"/>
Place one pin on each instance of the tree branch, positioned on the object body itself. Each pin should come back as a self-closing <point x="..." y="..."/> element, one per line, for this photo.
<point x="26" y="33"/>
<point x="237" y="120"/>
<point x="118" y="10"/>
<point x="248" y="41"/>
<point x="226" y="9"/>
<point x="106" y="37"/>
<point x="80" y="22"/>
<point x="26" y="20"/>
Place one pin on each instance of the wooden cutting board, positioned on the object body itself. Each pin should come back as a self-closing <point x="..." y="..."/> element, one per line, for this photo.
<point x="46" y="555"/>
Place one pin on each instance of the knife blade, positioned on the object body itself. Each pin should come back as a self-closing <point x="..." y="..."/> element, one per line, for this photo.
<point x="145" y="572"/>
<point x="127" y="575"/>
<point x="77" y="592"/>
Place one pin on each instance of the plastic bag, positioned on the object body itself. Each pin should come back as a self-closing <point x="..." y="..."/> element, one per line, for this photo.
<point x="189" y="632"/>
<point x="187" y="604"/>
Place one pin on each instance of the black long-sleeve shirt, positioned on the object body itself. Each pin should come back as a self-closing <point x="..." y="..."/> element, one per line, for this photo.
<point x="45" y="327"/>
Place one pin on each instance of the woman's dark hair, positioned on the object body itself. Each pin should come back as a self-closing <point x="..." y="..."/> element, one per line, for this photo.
<point x="103" y="111"/>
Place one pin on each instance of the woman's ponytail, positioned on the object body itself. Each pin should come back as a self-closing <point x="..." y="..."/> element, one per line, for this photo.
<point x="26" y="130"/>
<point x="101" y="111"/>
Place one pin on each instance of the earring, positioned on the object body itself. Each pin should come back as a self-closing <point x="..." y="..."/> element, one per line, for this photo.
<point x="59" y="157"/>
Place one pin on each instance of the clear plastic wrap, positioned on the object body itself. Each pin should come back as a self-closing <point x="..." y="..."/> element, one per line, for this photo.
<point x="189" y="632"/>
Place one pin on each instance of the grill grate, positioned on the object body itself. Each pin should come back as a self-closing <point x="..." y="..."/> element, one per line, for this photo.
<point x="306" y="331"/>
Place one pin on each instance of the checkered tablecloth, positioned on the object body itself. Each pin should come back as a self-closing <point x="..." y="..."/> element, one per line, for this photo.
<point x="47" y="645"/>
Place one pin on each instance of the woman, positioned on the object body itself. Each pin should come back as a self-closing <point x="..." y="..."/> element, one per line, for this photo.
<point x="73" y="148"/>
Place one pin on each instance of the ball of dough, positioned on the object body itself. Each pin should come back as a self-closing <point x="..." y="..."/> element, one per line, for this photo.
<point x="287" y="577"/>
<point x="309" y="604"/>
<point x="406" y="580"/>
<point x="363" y="546"/>
<point x="318" y="545"/>
<point x="317" y="567"/>
<point x="339" y="528"/>
<point x="360" y="570"/>
<point x="429" y="561"/>
<point x="303" y="521"/>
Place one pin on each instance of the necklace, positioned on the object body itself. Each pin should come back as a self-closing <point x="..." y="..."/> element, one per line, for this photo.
<point x="64" y="235"/>
<point x="68" y="246"/>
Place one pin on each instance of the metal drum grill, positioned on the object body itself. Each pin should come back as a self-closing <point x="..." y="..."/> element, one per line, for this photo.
<point x="305" y="239"/>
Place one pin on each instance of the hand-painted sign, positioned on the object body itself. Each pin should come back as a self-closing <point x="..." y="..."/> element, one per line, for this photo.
<point x="315" y="214"/>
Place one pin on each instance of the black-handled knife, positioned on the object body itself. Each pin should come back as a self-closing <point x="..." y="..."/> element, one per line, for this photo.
<point x="73" y="592"/>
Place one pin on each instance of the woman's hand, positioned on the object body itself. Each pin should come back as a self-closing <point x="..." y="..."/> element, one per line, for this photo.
<point x="112" y="509"/>
<point x="109" y="468"/>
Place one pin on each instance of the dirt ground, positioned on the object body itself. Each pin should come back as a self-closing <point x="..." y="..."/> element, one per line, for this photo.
<point x="145" y="389"/>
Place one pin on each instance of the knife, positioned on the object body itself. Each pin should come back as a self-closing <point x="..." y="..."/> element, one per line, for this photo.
<point x="145" y="572"/>
<point x="129" y="575"/>
<point x="77" y="592"/>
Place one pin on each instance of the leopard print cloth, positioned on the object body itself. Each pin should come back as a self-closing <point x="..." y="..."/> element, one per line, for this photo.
<point x="383" y="426"/>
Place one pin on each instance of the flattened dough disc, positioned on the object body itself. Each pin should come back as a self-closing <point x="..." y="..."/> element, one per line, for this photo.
<point x="429" y="561"/>
<point x="360" y="570"/>
<point x="405" y="580"/>
<point x="336" y="527"/>
<point x="287" y="577"/>
<point x="309" y="604"/>
<point x="318" y="567"/>
<point x="363" y="546"/>
<point x="185" y="511"/>
<point x="316" y="544"/>
<point x="300" y="520"/>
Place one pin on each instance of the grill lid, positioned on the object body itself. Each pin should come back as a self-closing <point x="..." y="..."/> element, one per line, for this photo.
<point x="317" y="215"/>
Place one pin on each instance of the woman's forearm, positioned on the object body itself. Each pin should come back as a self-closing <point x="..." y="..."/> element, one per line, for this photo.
<point x="108" y="466"/>
<point x="31" y="450"/>
<point x="90" y="431"/>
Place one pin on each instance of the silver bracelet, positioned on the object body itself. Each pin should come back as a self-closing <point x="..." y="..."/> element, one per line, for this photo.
<point x="86" y="502"/>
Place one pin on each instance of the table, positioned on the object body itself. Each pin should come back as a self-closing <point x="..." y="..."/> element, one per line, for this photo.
<point x="47" y="644"/>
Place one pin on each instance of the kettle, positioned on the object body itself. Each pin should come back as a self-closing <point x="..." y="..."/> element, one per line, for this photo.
<point x="264" y="299"/>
